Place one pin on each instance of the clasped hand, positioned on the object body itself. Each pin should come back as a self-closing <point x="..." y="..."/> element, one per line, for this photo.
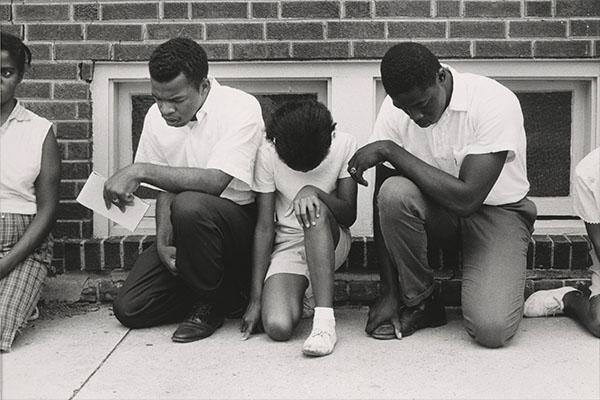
<point x="367" y="157"/>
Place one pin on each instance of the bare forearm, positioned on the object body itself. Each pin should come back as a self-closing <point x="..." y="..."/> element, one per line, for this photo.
<point x="261" y="256"/>
<point x="164" y="228"/>
<point x="180" y="179"/>
<point x="593" y="231"/>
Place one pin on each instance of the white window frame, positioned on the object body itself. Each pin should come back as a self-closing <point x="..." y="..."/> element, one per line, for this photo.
<point x="352" y="98"/>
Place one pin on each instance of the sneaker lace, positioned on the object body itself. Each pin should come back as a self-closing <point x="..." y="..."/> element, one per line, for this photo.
<point x="552" y="308"/>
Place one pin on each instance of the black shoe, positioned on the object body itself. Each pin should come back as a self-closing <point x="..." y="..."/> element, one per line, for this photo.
<point x="428" y="314"/>
<point x="202" y="321"/>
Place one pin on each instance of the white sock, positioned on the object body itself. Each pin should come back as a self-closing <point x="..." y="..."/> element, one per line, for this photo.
<point x="322" y="338"/>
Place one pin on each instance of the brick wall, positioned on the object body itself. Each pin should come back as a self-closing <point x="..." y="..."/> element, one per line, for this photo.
<point x="66" y="38"/>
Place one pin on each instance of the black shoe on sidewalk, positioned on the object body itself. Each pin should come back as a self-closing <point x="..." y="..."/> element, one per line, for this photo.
<point x="202" y="321"/>
<point x="428" y="314"/>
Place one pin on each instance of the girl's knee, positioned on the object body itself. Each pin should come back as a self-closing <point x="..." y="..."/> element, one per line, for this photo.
<point x="278" y="329"/>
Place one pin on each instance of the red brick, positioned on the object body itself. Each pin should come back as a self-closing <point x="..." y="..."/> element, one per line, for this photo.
<point x="33" y="90"/>
<point x="87" y="229"/>
<point x="577" y="8"/>
<point x="79" y="151"/>
<point x="562" y="49"/>
<point x="538" y="8"/>
<point x="580" y="252"/>
<point x="543" y="251"/>
<point x="492" y="9"/>
<point x="86" y="51"/>
<point x="42" y="70"/>
<point x="453" y="49"/>
<point x="114" y="32"/>
<point x="112" y="253"/>
<point x="561" y="253"/>
<point x="166" y="31"/>
<point x="477" y="29"/>
<point x="76" y="169"/>
<point x="71" y="91"/>
<point x="84" y="110"/>
<point x="537" y="29"/>
<point x="92" y="254"/>
<point x="371" y="49"/>
<point x="72" y="211"/>
<point x="129" y="11"/>
<point x="16" y="30"/>
<point x="175" y="11"/>
<point x="503" y="49"/>
<point x="372" y="262"/>
<point x="62" y="149"/>
<point x="448" y="9"/>
<point x="410" y="29"/>
<point x="321" y="50"/>
<point x="5" y="12"/>
<point x="233" y="31"/>
<point x="131" y="250"/>
<point x="261" y="51"/>
<point x="86" y="71"/>
<point x="403" y="8"/>
<point x="67" y="229"/>
<point x="264" y="10"/>
<point x="365" y="292"/>
<point x="53" y="110"/>
<point x="585" y="28"/>
<point x="295" y="31"/>
<point x="148" y="241"/>
<point x="545" y="284"/>
<point x="132" y="52"/>
<point x="67" y="190"/>
<point x="85" y="12"/>
<point x="47" y="12"/>
<point x="357" y="9"/>
<point x="310" y="9"/>
<point x="73" y="255"/>
<point x="355" y="30"/>
<point x="219" y="10"/>
<point x="340" y="292"/>
<point x="54" y="32"/>
<point x="40" y="51"/>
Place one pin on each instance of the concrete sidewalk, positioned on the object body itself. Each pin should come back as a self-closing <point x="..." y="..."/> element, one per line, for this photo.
<point x="91" y="356"/>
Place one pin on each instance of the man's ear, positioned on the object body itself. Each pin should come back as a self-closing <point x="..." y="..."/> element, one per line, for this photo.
<point x="442" y="75"/>
<point x="205" y="86"/>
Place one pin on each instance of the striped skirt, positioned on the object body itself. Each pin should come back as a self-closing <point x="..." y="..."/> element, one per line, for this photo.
<point x="20" y="290"/>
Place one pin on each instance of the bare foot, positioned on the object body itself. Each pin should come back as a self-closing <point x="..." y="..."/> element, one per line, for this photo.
<point x="383" y="311"/>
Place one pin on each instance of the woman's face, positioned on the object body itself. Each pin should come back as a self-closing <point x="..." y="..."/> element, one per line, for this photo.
<point x="9" y="77"/>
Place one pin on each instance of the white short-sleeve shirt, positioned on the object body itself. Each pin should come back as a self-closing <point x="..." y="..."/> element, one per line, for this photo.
<point x="273" y="175"/>
<point x="226" y="137"/>
<point x="482" y="117"/>
<point x="586" y="188"/>
<point x="22" y="139"/>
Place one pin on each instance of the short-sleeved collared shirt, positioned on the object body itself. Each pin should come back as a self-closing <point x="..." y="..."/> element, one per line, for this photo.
<point x="225" y="136"/>
<point x="586" y="188"/>
<point x="482" y="117"/>
<point x="22" y="139"/>
<point x="273" y="175"/>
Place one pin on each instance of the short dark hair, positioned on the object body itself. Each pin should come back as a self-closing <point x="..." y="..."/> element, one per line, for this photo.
<point x="301" y="132"/>
<point x="17" y="50"/>
<point x="179" y="55"/>
<point x="407" y="66"/>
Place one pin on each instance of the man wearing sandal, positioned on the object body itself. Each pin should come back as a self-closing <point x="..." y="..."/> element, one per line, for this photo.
<point x="455" y="176"/>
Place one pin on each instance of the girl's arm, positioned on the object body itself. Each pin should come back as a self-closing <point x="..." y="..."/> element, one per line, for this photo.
<point x="46" y="190"/>
<point x="264" y="233"/>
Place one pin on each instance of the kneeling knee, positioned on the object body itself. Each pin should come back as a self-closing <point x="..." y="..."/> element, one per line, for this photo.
<point x="125" y="314"/>
<point x="491" y="334"/>
<point x="278" y="330"/>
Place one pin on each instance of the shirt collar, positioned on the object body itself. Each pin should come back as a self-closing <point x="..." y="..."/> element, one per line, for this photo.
<point x="458" y="101"/>
<point x="210" y="102"/>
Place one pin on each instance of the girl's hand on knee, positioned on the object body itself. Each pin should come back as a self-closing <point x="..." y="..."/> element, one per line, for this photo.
<point x="306" y="206"/>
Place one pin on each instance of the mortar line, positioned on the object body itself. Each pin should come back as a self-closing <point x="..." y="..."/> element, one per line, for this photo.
<point x="76" y="391"/>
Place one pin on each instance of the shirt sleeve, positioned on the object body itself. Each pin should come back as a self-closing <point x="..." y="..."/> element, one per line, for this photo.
<point x="498" y="124"/>
<point x="349" y="150"/>
<point x="264" y="180"/>
<point x="387" y="124"/>
<point x="235" y="152"/>
<point x="148" y="150"/>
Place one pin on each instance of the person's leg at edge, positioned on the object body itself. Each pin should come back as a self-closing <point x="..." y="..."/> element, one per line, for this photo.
<point x="282" y="304"/>
<point x="408" y="221"/>
<point x="151" y="295"/>
<point x="213" y="237"/>
<point x="494" y="257"/>
<point x="320" y="241"/>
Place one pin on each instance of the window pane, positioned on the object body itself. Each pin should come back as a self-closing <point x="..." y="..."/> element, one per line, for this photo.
<point x="548" y="125"/>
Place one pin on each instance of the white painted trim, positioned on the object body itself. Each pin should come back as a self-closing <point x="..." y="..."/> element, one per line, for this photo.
<point x="351" y="96"/>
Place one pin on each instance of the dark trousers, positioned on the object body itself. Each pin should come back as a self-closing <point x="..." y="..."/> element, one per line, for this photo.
<point x="213" y="237"/>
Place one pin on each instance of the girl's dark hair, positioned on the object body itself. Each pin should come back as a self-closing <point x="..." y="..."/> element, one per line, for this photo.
<point x="17" y="50"/>
<point x="301" y="132"/>
<point x="176" y="56"/>
<point x="406" y="66"/>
